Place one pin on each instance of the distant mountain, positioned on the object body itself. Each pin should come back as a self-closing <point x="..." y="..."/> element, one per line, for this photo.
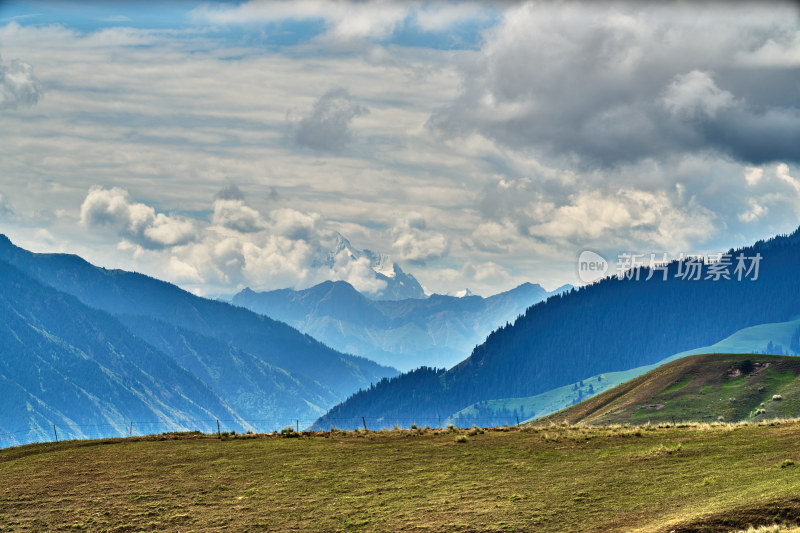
<point x="438" y="331"/>
<point x="266" y="370"/>
<point x="612" y="325"/>
<point x="64" y="363"/>
<point x="698" y="388"/>
<point x="398" y="285"/>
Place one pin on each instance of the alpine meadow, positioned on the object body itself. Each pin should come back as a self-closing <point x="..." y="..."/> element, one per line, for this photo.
<point x="385" y="265"/>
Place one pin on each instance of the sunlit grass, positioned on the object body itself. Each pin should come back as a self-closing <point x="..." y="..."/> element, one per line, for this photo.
<point x="557" y="477"/>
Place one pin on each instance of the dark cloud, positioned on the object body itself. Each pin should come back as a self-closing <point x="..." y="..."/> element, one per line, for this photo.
<point x="18" y="85"/>
<point x="601" y="86"/>
<point x="230" y="192"/>
<point x="756" y="136"/>
<point x="327" y="127"/>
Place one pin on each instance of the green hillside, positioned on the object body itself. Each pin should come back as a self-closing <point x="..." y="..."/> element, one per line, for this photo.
<point x="756" y="339"/>
<point x="720" y="477"/>
<point x="710" y="387"/>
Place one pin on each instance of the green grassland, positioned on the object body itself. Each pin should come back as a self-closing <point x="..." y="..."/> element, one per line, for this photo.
<point x="710" y="387"/>
<point x="718" y="477"/>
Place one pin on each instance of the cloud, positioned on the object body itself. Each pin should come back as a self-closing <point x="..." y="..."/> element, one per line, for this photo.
<point x="357" y="272"/>
<point x="495" y="237"/>
<point x="432" y="17"/>
<point x="230" y="192"/>
<point x="235" y="215"/>
<point x="602" y="85"/>
<point x="755" y="212"/>
<point x="135" y="221"/>
<point x="753" y="175"/>
<point x="18" y="85"/>
<point x="6" y="211"/>
<point x="116" y="18"/>
<point x="565" y="112"/>
<point x="414" y="242"/>
<point x="349" y="20"/>
<point x="238" y="247"/>
<point x="624" y="216"/>
<point x="327" y="126"/>
<point x="230" y="211"/>
<point x="695" y="95"/>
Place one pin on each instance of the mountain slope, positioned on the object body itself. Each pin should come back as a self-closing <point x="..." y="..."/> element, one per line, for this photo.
<point x="318" y="375"/>
<point x="436" y="331"/>
<point x="64" y="363"/>
<point x="257" y="390"/>
<point x="773" y="338"/>
<point x="613" y="325"/>
<point x="698" y="388"/>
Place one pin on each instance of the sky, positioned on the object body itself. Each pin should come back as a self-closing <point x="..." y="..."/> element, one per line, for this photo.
<point x="481" y="145"/>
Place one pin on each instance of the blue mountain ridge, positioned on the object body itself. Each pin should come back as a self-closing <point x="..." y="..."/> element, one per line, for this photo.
<point x="264" y="369"/>
<point x="405" y="334"/>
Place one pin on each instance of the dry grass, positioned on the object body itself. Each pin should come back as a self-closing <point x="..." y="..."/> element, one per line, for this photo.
<point x="693" y="477"/>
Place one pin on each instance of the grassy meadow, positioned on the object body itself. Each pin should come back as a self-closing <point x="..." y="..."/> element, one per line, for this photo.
<point x="718" y="477"/>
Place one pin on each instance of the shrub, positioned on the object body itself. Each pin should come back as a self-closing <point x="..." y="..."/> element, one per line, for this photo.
<point x="289" y="432"/>
<point x="777" y="397"/>
<point x="413" y="426"/>
<point x="787" y="462"/>
<point x="461" y="439"/>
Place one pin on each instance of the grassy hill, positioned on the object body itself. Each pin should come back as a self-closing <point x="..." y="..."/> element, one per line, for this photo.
<point x="705" y="477"/>
<point x="755" y="339"/>
<point x="729" y="387"/>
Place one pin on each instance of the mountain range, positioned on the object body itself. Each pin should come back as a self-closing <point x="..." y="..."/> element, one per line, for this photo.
<point x="62" y="311"/>
<point x="436" y="331"/>
<point x="615" y="324"/>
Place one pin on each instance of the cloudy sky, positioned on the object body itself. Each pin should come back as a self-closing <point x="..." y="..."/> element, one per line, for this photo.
<point x="223" y="145"/>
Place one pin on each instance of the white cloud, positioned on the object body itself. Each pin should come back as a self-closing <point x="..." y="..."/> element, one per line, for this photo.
<point x="6" y="211"/>
<point x="414" y="242"/>
<point x="782" y="171"/>
<point x="495" y="237"/>
<point x="135" y="221"/>
<point x="344" y="19"/>
<point x="781" y="51"/>
<point x="755" y="212"/>
<point x="357" y="272"/>
<point x="348" y="20"/>
<point x="695" y="95"/>
<point x="442" y="16"/>
<point x="753" y="175"/>
<point x="557" y="117"/>
<point x="327" y="126"/>
<point x="18" y="85"/>
<point x="235" y="215"/>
